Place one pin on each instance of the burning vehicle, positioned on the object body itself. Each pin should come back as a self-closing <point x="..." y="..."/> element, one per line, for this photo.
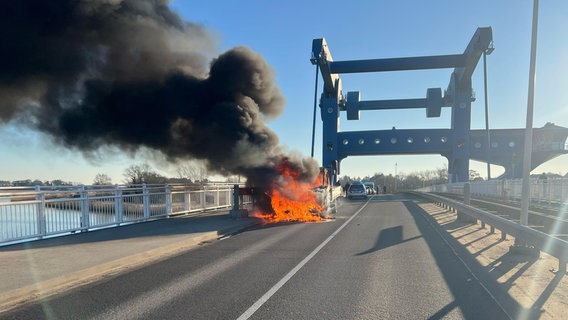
<point x="291" y="200"/>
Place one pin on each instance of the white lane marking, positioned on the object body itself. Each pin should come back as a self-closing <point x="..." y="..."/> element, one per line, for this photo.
<point x="250" y="311"/>
<point x="141" y="306"/>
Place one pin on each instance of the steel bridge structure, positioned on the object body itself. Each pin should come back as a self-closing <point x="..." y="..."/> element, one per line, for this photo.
<point x="458" y="144"/>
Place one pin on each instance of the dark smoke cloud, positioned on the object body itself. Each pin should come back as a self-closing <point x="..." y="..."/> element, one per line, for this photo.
<point x="131" y="74"/>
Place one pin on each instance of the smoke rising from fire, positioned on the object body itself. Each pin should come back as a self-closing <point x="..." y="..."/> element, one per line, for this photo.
<point x="131" y="73"/>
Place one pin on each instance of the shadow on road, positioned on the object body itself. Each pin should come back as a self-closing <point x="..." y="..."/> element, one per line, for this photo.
<point x="387" y="238"/>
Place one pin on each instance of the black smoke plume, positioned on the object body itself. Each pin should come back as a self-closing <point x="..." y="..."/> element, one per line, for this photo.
<point x="93" y="74"/>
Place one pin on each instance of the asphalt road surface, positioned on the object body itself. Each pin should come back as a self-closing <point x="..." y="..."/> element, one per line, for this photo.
<point x="379" y="259"/>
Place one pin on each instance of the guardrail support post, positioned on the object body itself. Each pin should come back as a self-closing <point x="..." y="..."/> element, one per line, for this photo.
<point x="521" y="247"/>
<point x="467" y="194"/>
<point x="467" y="201"/>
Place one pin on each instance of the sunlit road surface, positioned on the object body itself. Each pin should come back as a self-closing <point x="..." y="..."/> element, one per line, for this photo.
<point x="379" y="259"/>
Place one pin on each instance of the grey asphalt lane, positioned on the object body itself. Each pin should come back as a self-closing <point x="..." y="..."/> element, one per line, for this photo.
<point x="388" y="263"/>
<point x="41" y="268"/>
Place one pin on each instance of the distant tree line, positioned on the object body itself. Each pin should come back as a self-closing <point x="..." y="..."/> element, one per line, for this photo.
<point x="194" y="173"/>
<point x="421" y="179"/>
<point x="402" y="181"/>
<point x="187" y="173"/>
<point x="36" y="182"/>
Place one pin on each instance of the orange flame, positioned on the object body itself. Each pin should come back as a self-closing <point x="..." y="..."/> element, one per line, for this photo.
<point x="292" y="199"/>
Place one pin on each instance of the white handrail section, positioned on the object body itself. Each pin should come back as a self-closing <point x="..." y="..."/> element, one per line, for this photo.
<point x="35" y="213"/>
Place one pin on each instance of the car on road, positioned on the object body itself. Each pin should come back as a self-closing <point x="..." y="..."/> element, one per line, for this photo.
<point x="357" y="190"/>
<point x="370" y="186"/>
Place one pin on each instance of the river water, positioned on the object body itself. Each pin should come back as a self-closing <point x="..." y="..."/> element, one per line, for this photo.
<point x="22" y="221"/>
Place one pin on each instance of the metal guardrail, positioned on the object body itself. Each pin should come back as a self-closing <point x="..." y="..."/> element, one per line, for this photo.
<point x="551" y="191"/>
<point x="28" y="214"/>
<point x="540" y="240"/>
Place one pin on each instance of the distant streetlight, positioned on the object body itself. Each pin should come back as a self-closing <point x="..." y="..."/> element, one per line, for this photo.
<point x="487" y="52"/>
<point x="528" y="130"/>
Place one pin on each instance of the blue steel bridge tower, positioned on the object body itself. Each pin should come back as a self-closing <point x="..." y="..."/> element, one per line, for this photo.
<point x="452" y="143"/>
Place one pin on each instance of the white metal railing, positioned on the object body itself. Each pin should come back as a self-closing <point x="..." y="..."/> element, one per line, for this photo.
<point x="551" y="191"/>
<point x="34" y="213"/>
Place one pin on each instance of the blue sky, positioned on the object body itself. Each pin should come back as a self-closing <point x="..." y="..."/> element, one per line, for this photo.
<point x="282" y="32"/>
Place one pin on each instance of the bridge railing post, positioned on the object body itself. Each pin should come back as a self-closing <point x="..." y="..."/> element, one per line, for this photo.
<point x="40" y="211"/>
<point x="217" y="197"/>
<point x="118" y="205"/>
<point x="84" y="203"/>
<point x="186" y="199"/>
<point x="168" y="204"/>
<point x="146" y="201"/>
<point x="202" y="199"/>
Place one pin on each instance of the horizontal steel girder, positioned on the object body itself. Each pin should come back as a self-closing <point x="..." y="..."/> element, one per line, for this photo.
<point x="391" y="142"/>
<point x="433" y="104"/>
<point x="464" y="64"/>
<point x="506" y="144"/>
<point x="398" y="64"/>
